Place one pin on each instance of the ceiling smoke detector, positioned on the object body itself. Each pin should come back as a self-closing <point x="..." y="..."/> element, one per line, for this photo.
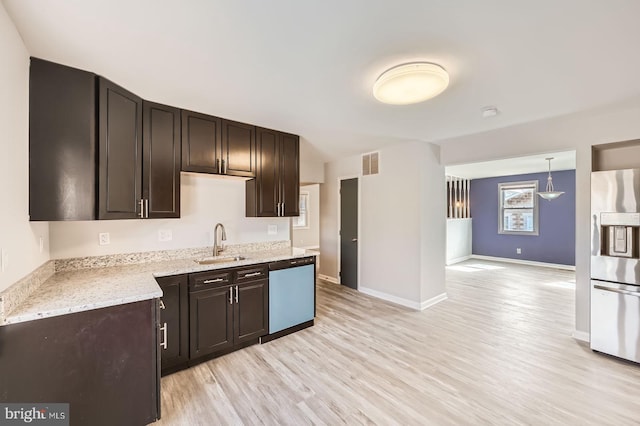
<point x="410" y="83"/>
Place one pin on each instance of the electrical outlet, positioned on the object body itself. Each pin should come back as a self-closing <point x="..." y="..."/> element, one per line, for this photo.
<point x="165" y="235"/>
<point x="103" y="239"/>
<point x="272" y="230"/>
<point x="518" y="250"/>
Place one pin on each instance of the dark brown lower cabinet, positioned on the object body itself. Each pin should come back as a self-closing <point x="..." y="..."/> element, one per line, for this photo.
<point x="223" y="318"/>
<point x="174" y="322"/>
<point x="211" y="321"/>
<point x="103" y="362"/>
<point x="251" y="314"/>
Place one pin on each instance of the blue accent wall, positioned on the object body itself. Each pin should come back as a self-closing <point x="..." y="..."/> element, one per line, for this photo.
<point x="556" y="221"/>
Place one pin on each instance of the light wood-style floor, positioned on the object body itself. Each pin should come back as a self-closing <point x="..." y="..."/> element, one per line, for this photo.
<point x="498" y="351"/>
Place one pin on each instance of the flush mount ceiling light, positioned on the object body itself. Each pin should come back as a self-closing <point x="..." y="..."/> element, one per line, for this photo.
<point x="410" y="83"/>
<point x="550" y="194"/>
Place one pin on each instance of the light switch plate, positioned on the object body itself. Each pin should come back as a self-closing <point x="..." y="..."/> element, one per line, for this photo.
<point x="272" y="230"/>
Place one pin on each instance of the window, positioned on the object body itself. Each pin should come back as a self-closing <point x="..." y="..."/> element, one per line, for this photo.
<point x="302" y="221"/>
<point x="518" y="208"/>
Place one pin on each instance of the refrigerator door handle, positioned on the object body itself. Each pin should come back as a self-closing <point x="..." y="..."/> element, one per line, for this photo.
<point x="617" y="290"/>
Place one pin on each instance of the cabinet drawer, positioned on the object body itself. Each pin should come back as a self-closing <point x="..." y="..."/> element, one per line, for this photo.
<point x="209" y="279"/>
<point x="253" y="273"/>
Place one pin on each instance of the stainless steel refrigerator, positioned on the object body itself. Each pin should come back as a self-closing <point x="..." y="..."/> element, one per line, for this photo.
<point x="615" y="263"/>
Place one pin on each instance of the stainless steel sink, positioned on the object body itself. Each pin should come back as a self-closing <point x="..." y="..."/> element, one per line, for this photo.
<point x="219" y="259"/>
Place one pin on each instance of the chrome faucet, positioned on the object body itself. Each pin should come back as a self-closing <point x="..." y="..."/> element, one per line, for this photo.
<point x="217" y="247"/>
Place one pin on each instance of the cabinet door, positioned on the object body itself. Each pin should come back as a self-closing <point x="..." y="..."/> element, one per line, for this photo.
<point x="161" y="166"/>
<point x="238" y="148"/>
<point x="174" y="321"/>
<point x="251" y="315"/>
<point x="290" y="174"/>
<point x="201" y="142"/>
<point x="62" y="148"/>
<point x="120" y="155"/>
<point x="101" y="361"/>
<point x="267" y="182"/>
<point x="210" y="321"/>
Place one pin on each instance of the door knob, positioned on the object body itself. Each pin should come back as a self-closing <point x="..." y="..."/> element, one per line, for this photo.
<point x="353" y="240"/>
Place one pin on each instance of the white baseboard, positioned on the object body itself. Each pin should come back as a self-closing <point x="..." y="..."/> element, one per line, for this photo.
<point x="437" y="299"/>
<point x="401" y="301"/>
<point x="328" y="278"/>
<point x="390" y="298"/>
<point x="458" y="260"/>
<point x="524" y="262"/>
<point x="581" y="335"/>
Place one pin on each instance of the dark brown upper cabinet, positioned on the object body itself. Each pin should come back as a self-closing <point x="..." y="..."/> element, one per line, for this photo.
<point x="161" y="160"/>
<point x="97" y="151"/>
<point x="120" y="153"/>
<point x="62" y="142"/>
<point x="201" y="139"/>
<point x="238" y="148"/>
<point x="275" y="191"/>
<point x="218" y="146"/>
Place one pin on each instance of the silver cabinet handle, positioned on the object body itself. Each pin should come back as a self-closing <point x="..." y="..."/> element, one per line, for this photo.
<point x="141" y="202"/>
<point x="236" y="294"/>
<point x="617" y="290"/>
<point x="278" y="210"/>
<point x="253" y="274"/>
<point x="282" y="209"/>
<point x="231" y="295"/>
<point x="162" y="305"/>
<point x="224" y="167"/>
<point x="218" y="166"/>
<point x="294" y="262"/>
<point x="164" y="342"/>
<point x="217" y="280"/>
<point x="353" y="240"/>
<point x="146" y="208"/>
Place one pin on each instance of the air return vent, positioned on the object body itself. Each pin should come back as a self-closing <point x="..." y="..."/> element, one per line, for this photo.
<point x="371" y="164"/>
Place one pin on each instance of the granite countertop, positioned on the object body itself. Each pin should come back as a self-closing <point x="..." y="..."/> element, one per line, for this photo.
<point x="91" y="288"/>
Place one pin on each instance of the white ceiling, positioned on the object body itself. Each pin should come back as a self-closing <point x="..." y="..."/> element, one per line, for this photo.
<point x="307" y="67"/>
<point x="515" y="166"/>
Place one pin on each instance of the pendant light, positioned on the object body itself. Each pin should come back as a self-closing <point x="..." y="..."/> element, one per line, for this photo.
<point x="550" y="194"/>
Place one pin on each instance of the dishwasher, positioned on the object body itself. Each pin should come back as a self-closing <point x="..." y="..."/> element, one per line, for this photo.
<point x="292" y="296"/>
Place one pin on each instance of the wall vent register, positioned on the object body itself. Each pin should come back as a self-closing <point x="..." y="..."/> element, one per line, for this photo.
<point x="371" y="164"/>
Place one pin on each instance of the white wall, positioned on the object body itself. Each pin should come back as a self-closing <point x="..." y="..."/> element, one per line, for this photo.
<point x="573" y="132"/>
<point x="205" y="200"/>
<point x="458" y="240"/>
<point x="311" y="163"/>
<point x="19" y="239"/>
<point x="309" y="237"/>
<point x="401" y="230"/>
<point x="329" y="204"/>
<point x="432" y="190"/>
